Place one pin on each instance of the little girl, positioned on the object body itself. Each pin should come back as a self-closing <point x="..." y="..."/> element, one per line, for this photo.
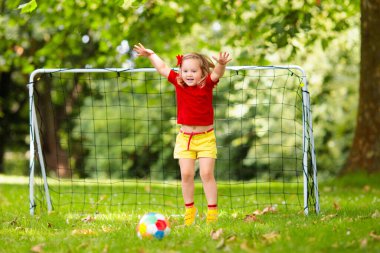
<point x="196" y="139"/>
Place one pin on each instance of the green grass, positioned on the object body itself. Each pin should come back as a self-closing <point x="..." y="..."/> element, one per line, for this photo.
<point x="349" y="222"/>
<point x="105" y="196"/>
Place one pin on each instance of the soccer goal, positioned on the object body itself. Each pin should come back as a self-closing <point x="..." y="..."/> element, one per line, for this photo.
<point x="101" y="140"/>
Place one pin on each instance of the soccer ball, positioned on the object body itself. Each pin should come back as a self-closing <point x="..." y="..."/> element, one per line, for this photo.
<point x="153" y="225"/>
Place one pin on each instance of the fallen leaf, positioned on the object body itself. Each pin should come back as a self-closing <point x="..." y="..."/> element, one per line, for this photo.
<point x="374" y="235"/>
<point x="106" y="229"/>
<point x="336" y="206"/>
<point x="38" y="248"/>
<point x="220" y="244"/>
<point x="376" y="214"/>
<point x="88" y="219"/>
<point x="215" y="235"/>
<point x="271" y="237"/>
<point x="269" y="209"/>
<point x="328" y="217"/>
<point x="257" y="212"/>
<point x="231" y="238"/>
<point x="244" y="246"/>
<point x="250" y="218"/>
<point x="366" y="188"/>
<point x="82" y="232"/>
<point x="363" y="243"/>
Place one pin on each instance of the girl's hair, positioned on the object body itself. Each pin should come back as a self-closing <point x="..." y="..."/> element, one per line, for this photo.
<point x="205" y="63"/>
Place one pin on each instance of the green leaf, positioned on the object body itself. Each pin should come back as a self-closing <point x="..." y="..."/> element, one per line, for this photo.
<point x="119" y="2"/>
<point x="28" y="7"/>
<point x="126" y="4"/>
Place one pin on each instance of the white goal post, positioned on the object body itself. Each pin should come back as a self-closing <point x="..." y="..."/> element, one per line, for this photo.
<point x="308" y="160"/>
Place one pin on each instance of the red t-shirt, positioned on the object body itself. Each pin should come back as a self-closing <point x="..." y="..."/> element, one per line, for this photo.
<point x="194" y="103"/>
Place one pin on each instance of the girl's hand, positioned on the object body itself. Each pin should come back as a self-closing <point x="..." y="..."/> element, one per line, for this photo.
<point x="142" y="51"/>
<point x="223" y="58"/>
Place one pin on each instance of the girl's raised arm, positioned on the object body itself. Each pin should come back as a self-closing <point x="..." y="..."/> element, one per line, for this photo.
<point x="156" y="61"/>
<point x="220" y="67"/>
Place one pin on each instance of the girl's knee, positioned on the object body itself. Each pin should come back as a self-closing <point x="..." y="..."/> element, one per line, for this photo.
<point x="207" y="176"/>
<point x="187" y="177"/>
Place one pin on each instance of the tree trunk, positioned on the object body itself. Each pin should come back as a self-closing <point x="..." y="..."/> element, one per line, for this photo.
<point x="13" y="116"/>
<point x="4" y="131"/>
<point x="53" y="116"/>
<point x="2" y="154"/>
<point x="55" y="157"/>
<point x="365" y="150"/>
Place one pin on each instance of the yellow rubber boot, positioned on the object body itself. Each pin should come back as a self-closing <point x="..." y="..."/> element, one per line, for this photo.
<point x="212" y="216"/>
<point x="190" y="215"/>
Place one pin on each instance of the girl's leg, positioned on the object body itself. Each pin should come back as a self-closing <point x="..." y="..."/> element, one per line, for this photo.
<point x="187" y="180"/>
<point x="206" y="168"/>
<point x="187" y="167"/>
<point x="209" y="185"/>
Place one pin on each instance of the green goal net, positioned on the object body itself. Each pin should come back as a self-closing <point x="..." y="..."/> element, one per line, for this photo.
<point x="101" y="140"/>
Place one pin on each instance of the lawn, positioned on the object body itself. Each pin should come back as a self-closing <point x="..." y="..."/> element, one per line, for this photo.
<point x="348" y="222"/>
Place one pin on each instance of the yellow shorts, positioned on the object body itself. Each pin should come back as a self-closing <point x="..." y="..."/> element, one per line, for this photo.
<point x="195" y="145"/>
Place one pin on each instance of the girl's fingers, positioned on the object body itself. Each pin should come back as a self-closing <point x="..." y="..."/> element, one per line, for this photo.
<point x="139" y="46"/>
<point x="223" y="57"/>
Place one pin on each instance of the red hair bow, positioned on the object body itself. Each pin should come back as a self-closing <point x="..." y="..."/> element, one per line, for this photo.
<point x="179" y="59"/>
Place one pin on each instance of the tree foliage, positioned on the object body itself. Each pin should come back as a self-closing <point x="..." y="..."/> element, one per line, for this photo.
<point x="87" y="33"/>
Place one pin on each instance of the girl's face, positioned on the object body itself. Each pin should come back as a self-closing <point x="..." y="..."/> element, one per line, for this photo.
<point x="191" y="72"/>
